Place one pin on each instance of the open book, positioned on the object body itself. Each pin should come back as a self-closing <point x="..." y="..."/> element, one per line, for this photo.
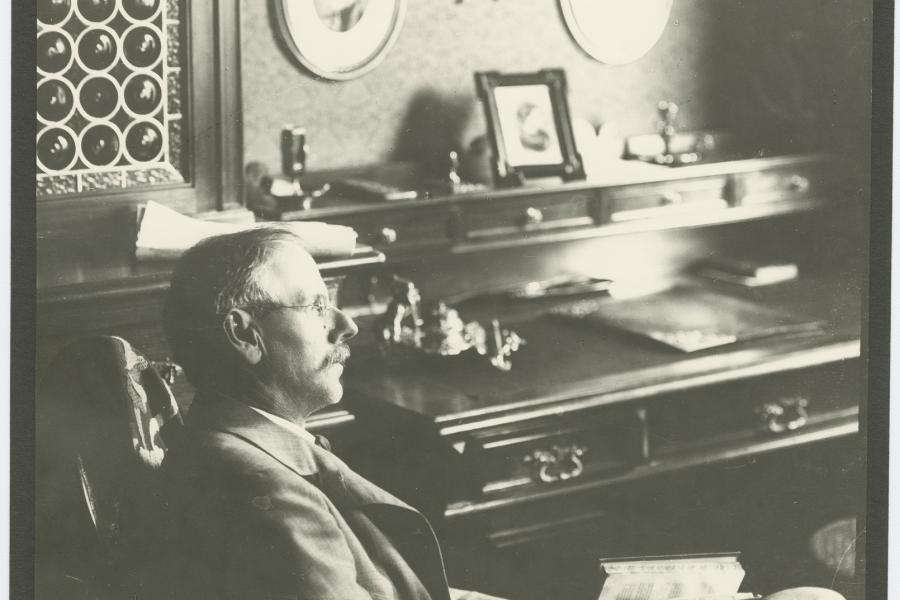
<point x="682" y="577"/>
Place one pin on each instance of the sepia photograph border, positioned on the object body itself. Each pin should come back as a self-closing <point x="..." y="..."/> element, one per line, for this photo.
<point x="19" y="181"/>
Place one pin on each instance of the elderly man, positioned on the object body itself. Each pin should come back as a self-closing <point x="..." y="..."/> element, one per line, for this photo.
<point x="260" y="508"/>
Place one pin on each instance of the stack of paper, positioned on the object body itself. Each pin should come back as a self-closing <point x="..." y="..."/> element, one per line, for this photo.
<point x="684" y="577"/>
<point x="165" y="234"/>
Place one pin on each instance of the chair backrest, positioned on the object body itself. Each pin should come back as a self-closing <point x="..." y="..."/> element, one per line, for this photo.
<point x="104" y="417"/>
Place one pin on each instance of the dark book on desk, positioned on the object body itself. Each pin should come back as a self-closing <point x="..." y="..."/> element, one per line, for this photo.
<point x="692" y="319"/>
<point x="679" y="577"/>
<point x="747" y="272"/>
<point x="372" y="190"/>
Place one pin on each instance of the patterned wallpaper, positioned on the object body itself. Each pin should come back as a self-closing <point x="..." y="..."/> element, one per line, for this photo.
<point x="421" y="99"/>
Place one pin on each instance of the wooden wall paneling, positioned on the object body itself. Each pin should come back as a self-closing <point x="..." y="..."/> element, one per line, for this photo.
<point x="81" y="235"/>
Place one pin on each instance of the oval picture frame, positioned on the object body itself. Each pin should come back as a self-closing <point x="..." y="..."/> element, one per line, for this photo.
<point x="616" y="32"/>
<point x="340" y="39"/>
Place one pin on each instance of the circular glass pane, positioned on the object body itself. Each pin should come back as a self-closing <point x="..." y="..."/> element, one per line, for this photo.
<point x="53" y="12"/>
<point x="142" y="46"/>
<point x="340" y="39"/>
<point x="54" y="51"/>
<point x="97" y="11"/>
<point x="140" y="10"/>
<point x="99" y="96"/>
<point x="100" y="145"/>
<point x="55" y="149"/>
<point x="55" y="100"/>
<point x="613" y="31"/>
<point x="97" y="49"/>
<point x="144" y="141"/>
<point x="143" y="94"/>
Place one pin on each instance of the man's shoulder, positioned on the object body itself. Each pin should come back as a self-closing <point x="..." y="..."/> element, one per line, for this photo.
<point x="215" y="449"/>
<point x="226" y="465"/>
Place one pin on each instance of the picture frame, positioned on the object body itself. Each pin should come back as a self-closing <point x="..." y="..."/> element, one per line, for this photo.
<point x="529" y="126"/>
<point x="339" y="39"/>
<point x="615" y="32"/>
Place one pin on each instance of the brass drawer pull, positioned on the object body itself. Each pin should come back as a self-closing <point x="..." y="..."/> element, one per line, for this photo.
<point x="559" y="463"/>
<point x="387" y="235"/>
<point x="784" y="414"/>
<point x="533" y="216"/>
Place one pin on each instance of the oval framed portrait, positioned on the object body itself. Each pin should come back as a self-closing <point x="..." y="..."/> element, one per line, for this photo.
<point x="616" y="32"/>
<point x="340" y="39"/>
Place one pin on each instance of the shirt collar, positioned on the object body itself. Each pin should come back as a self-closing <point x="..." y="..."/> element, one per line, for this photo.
<point x="293" y="428"/>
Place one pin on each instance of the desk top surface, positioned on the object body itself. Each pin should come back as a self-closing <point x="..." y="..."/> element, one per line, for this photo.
<point x="566" y="366"/>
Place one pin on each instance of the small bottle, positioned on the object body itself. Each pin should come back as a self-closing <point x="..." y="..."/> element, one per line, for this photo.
<point x="293" y="155"/>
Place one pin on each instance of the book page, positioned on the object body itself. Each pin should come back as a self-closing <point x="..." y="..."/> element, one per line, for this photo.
<point x="670" y="579"/>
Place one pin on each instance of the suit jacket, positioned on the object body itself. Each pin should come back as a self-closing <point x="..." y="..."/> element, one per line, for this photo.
<point x="257" y="512"/>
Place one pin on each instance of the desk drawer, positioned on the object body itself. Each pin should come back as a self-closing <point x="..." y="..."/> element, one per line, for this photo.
<point x="752" y="410"/>
<point x="663" y="199"/>
<point x="556" y="451"/>
<point x="402" y="230"/>
<point x="529" y="214"/>
<point x="794" y="182"/>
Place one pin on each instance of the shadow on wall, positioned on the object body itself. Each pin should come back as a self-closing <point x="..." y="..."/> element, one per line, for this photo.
<point x="434" y="125"/>
<point x="801" y="79"/>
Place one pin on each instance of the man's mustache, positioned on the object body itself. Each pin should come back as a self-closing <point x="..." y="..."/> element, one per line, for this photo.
<point x="339" y="355"/>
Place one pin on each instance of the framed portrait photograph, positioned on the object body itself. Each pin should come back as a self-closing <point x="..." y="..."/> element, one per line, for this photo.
<point x="340" y="39"/>
<point x="529" y="125"/>
<point x="615" y="32"/>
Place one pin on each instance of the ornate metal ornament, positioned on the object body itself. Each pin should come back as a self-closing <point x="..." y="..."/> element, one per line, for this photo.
<point x="404" y="331"/>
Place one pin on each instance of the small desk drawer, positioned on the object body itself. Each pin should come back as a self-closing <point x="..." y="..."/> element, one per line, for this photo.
<point x="402" y="230"/>
<point x="776" y="185"/>
<point x="752" y="410"/>
<point x="557" y="451"/>
<point x="527" y="214"/>
<point x="662" y="199"/>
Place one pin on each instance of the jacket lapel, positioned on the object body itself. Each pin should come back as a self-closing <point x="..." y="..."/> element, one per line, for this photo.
<point x="226" y="415"/>
<point x="340" y="483"/>
<point x="408" y="529"/>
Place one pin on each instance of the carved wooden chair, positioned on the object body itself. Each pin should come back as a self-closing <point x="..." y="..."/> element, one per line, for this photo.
<point x="104" y="414"/>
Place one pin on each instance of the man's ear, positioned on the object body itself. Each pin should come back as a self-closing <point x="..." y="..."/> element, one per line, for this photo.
<point x="243" y="334"/>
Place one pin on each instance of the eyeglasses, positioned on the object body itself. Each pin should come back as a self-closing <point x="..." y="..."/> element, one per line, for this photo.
<point x="322" y="307"/>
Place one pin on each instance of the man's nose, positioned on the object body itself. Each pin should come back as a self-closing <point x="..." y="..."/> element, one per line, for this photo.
<point x="344" y="327"/>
